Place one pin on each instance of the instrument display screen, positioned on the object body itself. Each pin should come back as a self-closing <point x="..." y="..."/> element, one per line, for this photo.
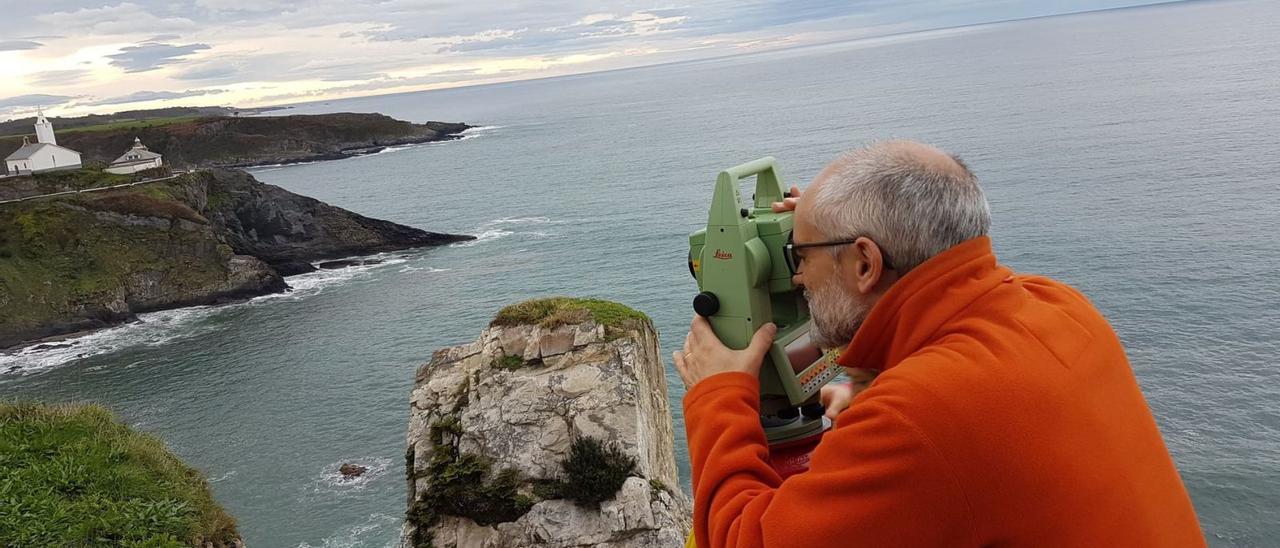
<point x="802" y="353"/>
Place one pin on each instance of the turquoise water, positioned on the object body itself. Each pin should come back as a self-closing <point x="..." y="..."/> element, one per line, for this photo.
<point x="1131" y="153"/>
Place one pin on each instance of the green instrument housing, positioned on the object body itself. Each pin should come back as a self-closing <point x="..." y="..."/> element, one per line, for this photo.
<point x="745" y="283"/>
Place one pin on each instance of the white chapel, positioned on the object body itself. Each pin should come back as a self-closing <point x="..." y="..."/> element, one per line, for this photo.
<point x="42" y="155"/>
<point x="136" y="159"/>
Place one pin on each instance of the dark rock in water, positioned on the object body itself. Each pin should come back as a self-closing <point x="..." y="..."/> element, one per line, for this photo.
<point x="352" y="471"/>
<point x="334" y="265"/>
<point x="49" y="346"/>
<point x="291" y="268"/>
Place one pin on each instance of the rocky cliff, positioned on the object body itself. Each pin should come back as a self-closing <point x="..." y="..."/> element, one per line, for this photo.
<point x="227" y="141"/>
<point x="92" y="259"/>
<point x="551" y="429"/>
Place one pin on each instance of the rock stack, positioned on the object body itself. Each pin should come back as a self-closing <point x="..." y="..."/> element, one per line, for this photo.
<point x="552" y="429"/>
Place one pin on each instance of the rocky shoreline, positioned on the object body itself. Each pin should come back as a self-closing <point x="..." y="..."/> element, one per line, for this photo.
<point x="86" y="261"/>
<point x="353" y="152"/>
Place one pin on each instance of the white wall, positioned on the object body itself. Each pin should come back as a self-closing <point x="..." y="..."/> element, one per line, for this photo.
<point x="134" y="168"/>
<point x="16" y="166"/>
<point x="50" y="158"/>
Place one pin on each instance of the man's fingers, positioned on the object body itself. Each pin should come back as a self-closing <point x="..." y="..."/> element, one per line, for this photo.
<point x="795" y="191"/>
<point x="678" y="358"/>
<point x="701" y="328"/>
<point x="763" y="338"/>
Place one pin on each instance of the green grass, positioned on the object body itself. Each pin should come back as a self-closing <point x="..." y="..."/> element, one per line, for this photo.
<point x="132" y="124"/>
<point x="77" y="179"/>
<point x="73" y="475"/>
<point x="557" y="311"/>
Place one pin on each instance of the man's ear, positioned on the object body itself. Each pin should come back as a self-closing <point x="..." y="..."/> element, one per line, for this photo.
<point x="864" y="260"/>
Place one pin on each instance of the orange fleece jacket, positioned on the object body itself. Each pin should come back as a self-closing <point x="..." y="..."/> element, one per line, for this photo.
<point x="1006" y="414"/>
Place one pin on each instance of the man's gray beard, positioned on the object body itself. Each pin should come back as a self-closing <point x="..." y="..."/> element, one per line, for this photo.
<point x="836" y="315"/>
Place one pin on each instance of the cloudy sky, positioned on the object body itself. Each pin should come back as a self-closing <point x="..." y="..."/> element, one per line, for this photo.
<point x="80" y="56"/>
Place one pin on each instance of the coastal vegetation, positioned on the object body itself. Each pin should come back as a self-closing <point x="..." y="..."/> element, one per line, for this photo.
<point x="74" y="475"/>
<point x="592" y="472"/>
<point x="156" y="116"/>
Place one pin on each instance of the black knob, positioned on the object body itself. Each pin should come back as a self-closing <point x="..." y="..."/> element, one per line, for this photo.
<point x="812" y="411"/>
<point x="786" y="194"/>
<point x="744" y="211"/>
<point x="706" y="304"/>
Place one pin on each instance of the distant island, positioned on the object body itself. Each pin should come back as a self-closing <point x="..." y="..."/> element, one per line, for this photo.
<point x="207" y="137"/>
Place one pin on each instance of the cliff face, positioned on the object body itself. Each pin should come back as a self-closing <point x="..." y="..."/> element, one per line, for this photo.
<point x="73" y="264"/>
<point x="245" y="141"/>
<point x="89" y="260"/>
<point x="554" y="432"/>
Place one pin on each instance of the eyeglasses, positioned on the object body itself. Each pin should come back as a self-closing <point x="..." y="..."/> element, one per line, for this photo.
<point x="793" y="260"/>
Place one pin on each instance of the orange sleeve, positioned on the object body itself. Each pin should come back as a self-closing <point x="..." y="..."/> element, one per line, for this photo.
<point x="875" y="480"/>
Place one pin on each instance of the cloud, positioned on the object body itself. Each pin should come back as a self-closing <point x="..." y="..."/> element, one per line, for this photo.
<point x="15" y="45"/>
<point x="56" y="78"/>
<point x="141" y="96"/>
<point x="285" y="66"/>
<point x="33" y="100"/>
<point x="125" y="18"/>
<point x="152" y="55"/>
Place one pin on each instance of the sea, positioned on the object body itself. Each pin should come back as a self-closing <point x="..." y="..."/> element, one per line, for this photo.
<point x="1132" y="153"/>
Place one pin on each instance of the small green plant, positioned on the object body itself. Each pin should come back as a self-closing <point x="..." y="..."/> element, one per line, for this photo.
<point x="594" y="471"/>
<point x="509" y="362"/>
<point x="657" y="485"/>
<point x="462" y="484"/>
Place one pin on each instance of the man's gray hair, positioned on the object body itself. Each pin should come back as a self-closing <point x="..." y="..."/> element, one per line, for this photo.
<point x="912" y="206"/>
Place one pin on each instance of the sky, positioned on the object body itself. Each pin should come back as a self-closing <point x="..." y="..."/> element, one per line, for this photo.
<point x="75" y="57"/>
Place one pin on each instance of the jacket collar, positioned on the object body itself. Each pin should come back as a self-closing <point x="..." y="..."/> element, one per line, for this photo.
<point x="911" y="312"/>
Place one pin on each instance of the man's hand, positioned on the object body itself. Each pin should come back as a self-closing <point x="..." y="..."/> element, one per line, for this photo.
<point x="836" y="398"/>
<point x="788" y="204"/>
<point x="704" y="355"/>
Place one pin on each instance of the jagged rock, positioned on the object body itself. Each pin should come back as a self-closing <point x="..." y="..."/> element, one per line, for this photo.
<point x="345" y="263"/>
<point x="514" y="401"/>
<point x="352" y="471"/>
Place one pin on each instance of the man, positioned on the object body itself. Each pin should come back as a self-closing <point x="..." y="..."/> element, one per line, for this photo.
<point x="1005" y="412"/>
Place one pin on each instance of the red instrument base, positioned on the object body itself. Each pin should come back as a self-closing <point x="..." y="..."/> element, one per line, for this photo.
<point x="792" y="457"/>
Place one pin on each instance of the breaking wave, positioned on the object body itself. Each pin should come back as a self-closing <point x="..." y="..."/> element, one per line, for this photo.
<point x="154" y="329"/>
<point x="510" y="226"/>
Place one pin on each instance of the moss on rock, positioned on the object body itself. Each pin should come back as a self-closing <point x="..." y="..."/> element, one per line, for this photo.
<point x="73" y="475"/>
<point x="556" y="311"/>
